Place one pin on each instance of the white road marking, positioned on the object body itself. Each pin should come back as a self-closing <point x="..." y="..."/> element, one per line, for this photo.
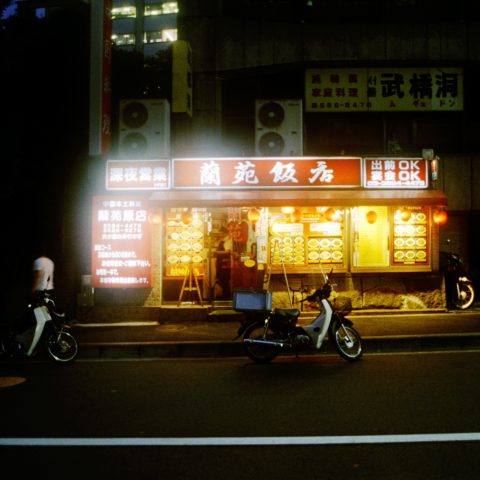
<point x="239" y="441"/>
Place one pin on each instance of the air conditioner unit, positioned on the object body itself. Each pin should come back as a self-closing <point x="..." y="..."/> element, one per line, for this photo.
<point x="144" y="128"/>
<point x="278" y="128"/>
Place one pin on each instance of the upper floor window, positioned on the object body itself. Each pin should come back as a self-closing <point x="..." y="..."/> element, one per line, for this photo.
<point x="163" y="8"/>
<point x="124" y="12"/>
<point x="166" y="35"/>
<point x="123" y="39"/>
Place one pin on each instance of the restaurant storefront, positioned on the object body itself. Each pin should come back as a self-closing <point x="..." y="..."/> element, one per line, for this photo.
<point x="190" y="231"/>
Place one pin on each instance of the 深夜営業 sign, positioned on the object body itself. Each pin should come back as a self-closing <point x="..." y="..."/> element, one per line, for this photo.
<point x="137" y="175"/>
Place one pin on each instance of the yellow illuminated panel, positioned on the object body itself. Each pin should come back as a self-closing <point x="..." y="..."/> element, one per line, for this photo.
<point x="410" y="236"/>
<point x="371" y="237"/>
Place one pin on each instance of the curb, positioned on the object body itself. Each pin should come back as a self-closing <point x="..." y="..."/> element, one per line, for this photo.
<point x="222" y="349"/>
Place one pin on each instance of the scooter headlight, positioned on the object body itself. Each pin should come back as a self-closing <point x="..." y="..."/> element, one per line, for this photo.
<point x="463" y="279"/>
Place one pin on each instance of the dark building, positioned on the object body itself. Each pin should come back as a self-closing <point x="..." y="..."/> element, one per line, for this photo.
<point x="248" y="50"/>
<point x="294" y="78"/>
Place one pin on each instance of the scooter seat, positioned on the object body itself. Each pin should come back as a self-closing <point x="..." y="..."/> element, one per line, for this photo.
<point x="287" y="312"/>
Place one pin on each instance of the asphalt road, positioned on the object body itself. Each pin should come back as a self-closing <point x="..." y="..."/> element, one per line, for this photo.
<point x="386" y="417"/>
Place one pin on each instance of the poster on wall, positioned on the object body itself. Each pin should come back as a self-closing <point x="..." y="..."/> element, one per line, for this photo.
<point x="121" y="253"/>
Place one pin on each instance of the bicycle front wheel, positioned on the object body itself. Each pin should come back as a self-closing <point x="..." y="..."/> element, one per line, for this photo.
<point x="465" y="296"/>
<point x="62" y="347"/>
<point x="347" y="342"/>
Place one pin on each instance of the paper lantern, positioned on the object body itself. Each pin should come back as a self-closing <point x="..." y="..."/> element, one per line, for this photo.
<point x="253" y="215"/>
<point x="187" y="217"/>
<point x="405" y="214"/>
<point x="330" y="214"/>
<point x="371" y="217"/>
<point x="440" y="216"/>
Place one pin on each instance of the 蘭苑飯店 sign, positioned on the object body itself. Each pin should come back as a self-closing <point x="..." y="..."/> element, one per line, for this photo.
<point x="267" y="172"/>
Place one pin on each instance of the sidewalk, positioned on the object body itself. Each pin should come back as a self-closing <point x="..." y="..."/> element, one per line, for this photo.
<point x="381" y="331"/>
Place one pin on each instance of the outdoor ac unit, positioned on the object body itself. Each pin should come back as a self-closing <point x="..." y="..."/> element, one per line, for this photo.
<point x="144" y="128"/>
<point x="278" y="128"/>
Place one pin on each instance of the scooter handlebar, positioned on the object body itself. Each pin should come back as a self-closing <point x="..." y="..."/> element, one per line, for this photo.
<point x="320" y="293"/>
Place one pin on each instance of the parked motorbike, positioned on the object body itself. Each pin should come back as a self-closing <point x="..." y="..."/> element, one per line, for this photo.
<point x="278" y="330"/>
<point x="459" y="287"/>
<point x="42" y="327"/>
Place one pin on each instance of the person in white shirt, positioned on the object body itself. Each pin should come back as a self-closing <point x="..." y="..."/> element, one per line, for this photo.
<point x="43" y="268"/>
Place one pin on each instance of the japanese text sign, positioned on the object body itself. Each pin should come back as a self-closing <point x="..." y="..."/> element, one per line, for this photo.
<point x="121" y="243"/>
<point x="270" y="172"/>
<point x="386" y="89"/>
<point x="396" y="173"/>
<point x="138" y="175"/>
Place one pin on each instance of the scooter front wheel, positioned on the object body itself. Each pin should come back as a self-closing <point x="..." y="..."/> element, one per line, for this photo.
<point x="260" y="352"/>
<point x="465" y="296"/>
<point x="62" y="347"/>
<point x="347" y="342"/>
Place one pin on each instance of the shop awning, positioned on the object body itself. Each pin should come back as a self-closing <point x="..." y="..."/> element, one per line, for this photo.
<point x="300" y="197"/>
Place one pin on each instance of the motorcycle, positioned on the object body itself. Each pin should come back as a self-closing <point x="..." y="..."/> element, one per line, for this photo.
<point x="459" y="288"/>
<point x="265" y="338"/>
<point x="41" y="327"/>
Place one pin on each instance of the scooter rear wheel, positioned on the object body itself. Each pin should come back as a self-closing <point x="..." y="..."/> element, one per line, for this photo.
<point x="62" y="347"/>
<point x="260" y="353"/>
<point x="465" y="297"/>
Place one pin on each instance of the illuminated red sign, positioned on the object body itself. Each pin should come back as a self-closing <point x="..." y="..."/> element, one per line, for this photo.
<point x="271" y="172"/>
<point x="396" y="173"/>
<point x="138" y="175"/>
<point x="121" y="243"/>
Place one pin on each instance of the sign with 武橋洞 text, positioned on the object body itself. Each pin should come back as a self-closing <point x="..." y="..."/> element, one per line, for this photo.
<point x="395" y="173"/>
<point x="383" y="89"/>
<point x="138" y="175"/>
<point x="269" y="172"/>
<point x="121" y="254"/>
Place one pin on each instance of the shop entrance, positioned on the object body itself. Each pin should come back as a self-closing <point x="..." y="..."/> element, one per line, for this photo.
<point x="218" y="245"/>
<point x="371" y="237"/>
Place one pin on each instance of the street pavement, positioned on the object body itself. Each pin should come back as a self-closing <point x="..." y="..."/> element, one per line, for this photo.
<point x="381" y="331"/>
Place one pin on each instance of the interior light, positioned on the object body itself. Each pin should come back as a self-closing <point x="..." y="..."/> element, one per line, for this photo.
<point x="295" y="216"/>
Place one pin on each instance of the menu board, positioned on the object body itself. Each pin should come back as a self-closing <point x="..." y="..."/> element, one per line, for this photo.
<point x="308" y="243"/>
<point x="410" y="237"/>
<point x="287" y="244"/>
<point x="287" y="249"/>
<point x="184" y="244"/>
<point x="325" y="250"/>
